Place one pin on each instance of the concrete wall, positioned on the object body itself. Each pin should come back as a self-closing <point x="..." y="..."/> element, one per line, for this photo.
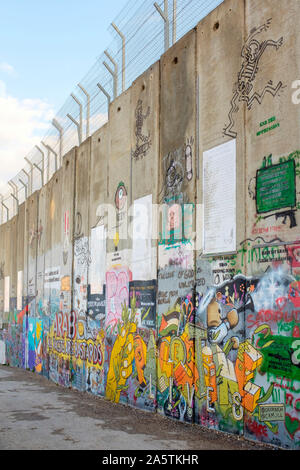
<point x="206" y="336"/>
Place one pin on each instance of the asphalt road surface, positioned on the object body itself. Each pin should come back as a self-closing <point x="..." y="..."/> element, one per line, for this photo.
<point x="36" y="414"/>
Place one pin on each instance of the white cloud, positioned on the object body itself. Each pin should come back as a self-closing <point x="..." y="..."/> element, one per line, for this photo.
<point x="23" y="124"/>
<point x="7" y="68"/>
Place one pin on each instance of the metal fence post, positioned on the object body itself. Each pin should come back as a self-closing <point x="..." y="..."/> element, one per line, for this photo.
<point x="165" y="16"/>
<point x="115" y="72"/>
<point x="87" y="109"/>
<point x="48" y="160"/>
<point x="55" y="155"/>
<point x="106" y="94"/>
<point x="80" y="116"/>
<point x="60" y="130"/>
<point x="14" y="195"/>
<point x="122" y="36"/>
<point x="28" y="182"/>
<point x="77" y="124"/>
<point x="31" y="173"/>
<point x="42" y="170"/>
<point x="25" y="187"/>
<point x="174" y="21"/>
<point x="7" y="210"/>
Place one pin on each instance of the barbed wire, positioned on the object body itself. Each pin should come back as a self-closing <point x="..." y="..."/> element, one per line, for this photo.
<point x="143" y="29"/>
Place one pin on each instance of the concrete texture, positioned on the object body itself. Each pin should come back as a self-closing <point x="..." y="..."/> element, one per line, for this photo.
<point x="37" y="415"/>
<point x="209" y="338"/>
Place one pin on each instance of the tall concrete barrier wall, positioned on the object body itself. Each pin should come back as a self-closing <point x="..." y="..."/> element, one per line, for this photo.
<point x="159" y="267"/>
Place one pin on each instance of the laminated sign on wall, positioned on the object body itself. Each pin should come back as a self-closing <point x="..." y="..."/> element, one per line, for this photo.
<point x="219" y="199"/>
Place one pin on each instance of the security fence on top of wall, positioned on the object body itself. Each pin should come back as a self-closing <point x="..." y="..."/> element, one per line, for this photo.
<point x="141" y="33"/>
<point x="201" y="323"/>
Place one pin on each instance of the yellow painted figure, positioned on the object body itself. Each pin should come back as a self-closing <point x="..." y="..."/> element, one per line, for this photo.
<point x="122" y="355"/>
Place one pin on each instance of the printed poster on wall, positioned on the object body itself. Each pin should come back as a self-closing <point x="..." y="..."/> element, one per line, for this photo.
<point x="52" y="278"/>
<point x="97" y="267"/>
<point x="219" y="199"/>
<point x="142" y="252"/>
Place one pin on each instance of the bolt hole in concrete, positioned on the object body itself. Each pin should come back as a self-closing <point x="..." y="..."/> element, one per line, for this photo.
<point x="216" y="26"/>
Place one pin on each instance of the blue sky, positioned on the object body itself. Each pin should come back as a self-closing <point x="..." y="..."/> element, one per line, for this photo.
<point x="46" y="48"/>
<point x="52" y="44"/>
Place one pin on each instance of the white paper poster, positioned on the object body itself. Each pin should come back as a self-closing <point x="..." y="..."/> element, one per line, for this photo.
<point x="142" y="239"/>
<point x="97" y="267"/>
<point x="52" y="278"/>
<point x="219" y="199"/>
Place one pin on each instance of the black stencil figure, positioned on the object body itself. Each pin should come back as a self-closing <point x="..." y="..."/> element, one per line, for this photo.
<point x="251" y="53"/>
<point x="143" y="142"/>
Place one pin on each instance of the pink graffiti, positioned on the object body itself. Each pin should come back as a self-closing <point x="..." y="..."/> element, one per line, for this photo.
<point x="65" y="325"/>
<point x="268" y="316"/>
<point x="260" y="430"/>
<point x="117" y="294"/>
<point x="294" y="294"/>
<point x="294" y="256"/>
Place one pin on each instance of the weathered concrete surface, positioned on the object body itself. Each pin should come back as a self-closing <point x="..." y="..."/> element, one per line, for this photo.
<point x="36" y="414"/>
<point x="229" y="80"/>
<point x="279" y="67"/>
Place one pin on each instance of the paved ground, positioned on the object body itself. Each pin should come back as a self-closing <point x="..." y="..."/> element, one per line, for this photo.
<point x="37" y="414"/>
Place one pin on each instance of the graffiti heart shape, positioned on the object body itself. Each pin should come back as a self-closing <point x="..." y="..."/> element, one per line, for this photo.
<point x="281" y="302"/>
<point x="292" y="425"/>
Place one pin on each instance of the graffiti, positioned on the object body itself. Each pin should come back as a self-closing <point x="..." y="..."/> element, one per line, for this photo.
<point x="117" y="293"/>
<point x="96" y="305"/>
<point x="77" y="225"/>
<point x="144" y="293"/>
<point x="188" y="153"/>
<point x="174" y="174"/>
<point x="243" y="91"/>
<point x="240" y="367"/>
<point x="132" y="362"/>
<point x="217" y="327"/>
<point x="293" y="156"/>
<point x="176" y="367"/>
<point x="274" y="190"/>
<point x="209" y="334"/>
<point x="121" y="196"/>
<point x="177" y="225"/>
<point x="263" y="254"/>
<point x="177" y="166"/>
<point x="226" y="356"/>
<point x="143" y="142"/>
<point x="268" y="129"/>
<point x="122" y="356"/>
<point x="66" y="238"/>
<point x="35" y="234"/>
<point x="283" y="176"/>
<point x="33" y="329"/>
<point x="74" y="348"/>
<point x="82" y="252"/>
